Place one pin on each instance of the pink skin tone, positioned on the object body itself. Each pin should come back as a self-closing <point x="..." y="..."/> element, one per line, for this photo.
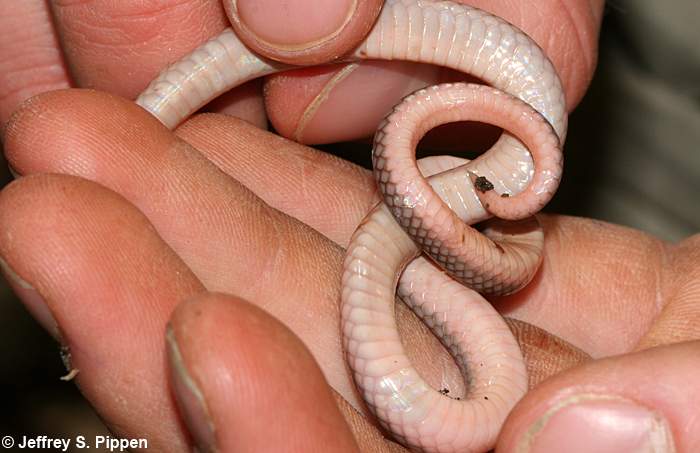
<point x="329" y="16"/>
<point x="605" y="318"/>
<point x="654" y="305"/>
<point x="508" y="60"/>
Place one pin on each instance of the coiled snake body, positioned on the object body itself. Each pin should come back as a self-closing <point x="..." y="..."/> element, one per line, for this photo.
<point x="431" y="215"/>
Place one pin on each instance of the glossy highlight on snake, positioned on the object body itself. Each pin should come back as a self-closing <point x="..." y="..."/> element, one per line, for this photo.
<point x="417" y="244"/>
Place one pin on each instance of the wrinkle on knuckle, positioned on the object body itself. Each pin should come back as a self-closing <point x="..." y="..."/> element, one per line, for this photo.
<point x="30" y="61"/>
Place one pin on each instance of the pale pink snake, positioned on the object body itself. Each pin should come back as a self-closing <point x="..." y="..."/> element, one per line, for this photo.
<point x="474" y="42"/>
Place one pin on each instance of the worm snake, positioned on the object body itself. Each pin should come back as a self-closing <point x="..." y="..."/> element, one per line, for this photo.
<point x="513" y="180"/>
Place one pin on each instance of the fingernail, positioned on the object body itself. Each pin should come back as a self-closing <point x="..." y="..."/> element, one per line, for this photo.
<point x="600" y="423"/>
<point x="294" y="24"/>
<point x="32" y="300"/>
<point x="13" y="172"/>
<point x="190" y="399"/>
<point x="319" y="101"/>
<point x="382" y="85"/>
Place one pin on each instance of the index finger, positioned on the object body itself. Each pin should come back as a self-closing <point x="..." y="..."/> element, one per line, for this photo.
<point x="577" y="294"/>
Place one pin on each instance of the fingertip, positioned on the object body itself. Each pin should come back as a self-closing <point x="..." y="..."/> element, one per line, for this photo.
<point x="253" y="376"/>
<point x="79" y="103"/>
<point x="12" y="198"/>
<point x="293" y="23"/>
<point x="601" y="423"/>
<point x="634" y="402"/>
<point x="322" y="105"/>
<point x="189" y="398"/>
<point x="302" y="32"/>
<point x="31" y="131"/>
<point x="292" y="97"/>
<point x="109" y="281"/>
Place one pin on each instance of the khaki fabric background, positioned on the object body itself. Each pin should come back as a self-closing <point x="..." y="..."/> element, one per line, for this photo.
<point x="632" y="157"/>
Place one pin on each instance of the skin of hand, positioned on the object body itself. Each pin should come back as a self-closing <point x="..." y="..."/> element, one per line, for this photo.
<point x="121" y="46"/>
<point x="116" y="220"/>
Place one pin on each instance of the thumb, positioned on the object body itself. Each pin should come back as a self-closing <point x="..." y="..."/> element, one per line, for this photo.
<point x="635" y="402"/>
<point x="343" y="103"/>
<point x="303" y="32"/>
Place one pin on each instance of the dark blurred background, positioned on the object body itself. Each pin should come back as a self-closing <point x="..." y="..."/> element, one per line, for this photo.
<point x="632" y="157"/>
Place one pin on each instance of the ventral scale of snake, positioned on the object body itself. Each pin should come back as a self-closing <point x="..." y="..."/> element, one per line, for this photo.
<point x="412" y="245"/>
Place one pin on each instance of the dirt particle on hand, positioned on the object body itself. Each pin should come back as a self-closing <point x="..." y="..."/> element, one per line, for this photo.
<point x="67" y="359"/>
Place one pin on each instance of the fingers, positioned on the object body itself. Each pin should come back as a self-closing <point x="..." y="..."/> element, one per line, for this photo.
<point x="306" y="105"/>
<point x="601" y="286"/>
<point x="325" y="192"/>
<point x="120" y="46"/>
<point x="65" y="238"/>
<point x="245" y="382"/>
<point x="231" y="240"/>
<point x="96" y="34"/>
<point x="317" y="109"/>
<point x="637" y="402"/>
<point x="584" y="262"/>
<point x="302" y="32"/>
<point x="30" y="58"/>
<point x="235" y="243"/>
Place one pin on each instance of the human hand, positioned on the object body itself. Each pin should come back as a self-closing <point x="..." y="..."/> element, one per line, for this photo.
<point x="168" y="218"/>
<point x="138" y="122"/>
<point x="120" y="46"/>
